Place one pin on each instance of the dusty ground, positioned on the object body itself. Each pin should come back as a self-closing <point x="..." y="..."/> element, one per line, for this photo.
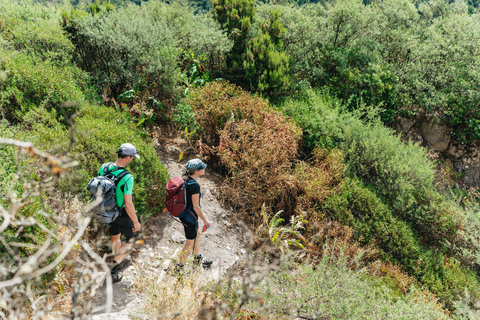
<point x="164" y="239"/>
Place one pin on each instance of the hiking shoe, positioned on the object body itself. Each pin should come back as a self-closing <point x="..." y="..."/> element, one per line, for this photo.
<point x="116" y="276"/>
<point x="206" y="263"/>
<point x="120" y="265"/>
<point x="178" y="269"/>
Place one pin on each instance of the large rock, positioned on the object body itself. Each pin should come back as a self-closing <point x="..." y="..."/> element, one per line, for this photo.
<point x="405" y="124"/>
<point x="436" y="135"/>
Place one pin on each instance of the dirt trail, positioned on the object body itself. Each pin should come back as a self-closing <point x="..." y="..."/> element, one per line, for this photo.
<point x="164" y="240"/>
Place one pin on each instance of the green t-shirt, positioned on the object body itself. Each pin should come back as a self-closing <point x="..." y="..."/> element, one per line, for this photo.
<point x="124" y="186"/>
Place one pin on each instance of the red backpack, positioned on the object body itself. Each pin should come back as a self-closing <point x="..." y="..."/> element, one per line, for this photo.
<point x="176" y="198"/>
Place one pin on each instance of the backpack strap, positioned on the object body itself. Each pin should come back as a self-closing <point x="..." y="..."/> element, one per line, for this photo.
<point x="187" y="183"/>
<point x="120" y="176"/>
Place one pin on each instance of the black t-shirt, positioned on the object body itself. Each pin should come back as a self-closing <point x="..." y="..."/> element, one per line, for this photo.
<point x="192" y="188"/>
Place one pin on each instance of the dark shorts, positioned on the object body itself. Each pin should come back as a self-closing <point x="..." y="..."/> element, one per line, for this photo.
<point x="122" y="225"/>
<point x="190" y="230"/>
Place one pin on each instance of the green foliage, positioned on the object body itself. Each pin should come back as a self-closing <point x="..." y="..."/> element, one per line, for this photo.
<point x="266" y="65"/>
<point x="19" y="182"/>
<point x="401" y="175"/>
<point x="184" y="117"/>
<point x="394" y="54"/>
<point x="467" y="244"/>
<point x="401" y="212"/>
<point x="27" y="81"/>
<point x="195" y="73"/>
<point x="142" y="45"/>
<point x="373" y="223"/>
<point x="43" y="39"/>
<point x="445" y="72"/>
<point x="124" y="47"/>
<point x="332" y="288"/>
<point x="236" y="18"/>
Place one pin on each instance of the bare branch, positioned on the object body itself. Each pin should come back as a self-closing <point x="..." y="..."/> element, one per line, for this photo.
<point x="19" y="279"/>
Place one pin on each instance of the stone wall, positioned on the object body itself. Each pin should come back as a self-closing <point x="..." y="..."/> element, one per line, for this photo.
<point x="432" y="133"/>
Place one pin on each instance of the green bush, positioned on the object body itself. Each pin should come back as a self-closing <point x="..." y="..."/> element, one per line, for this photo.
<point x="236" y="18"/>
<point x="266" y="65"/>
<point x="141" y="46"/>
<point x="44" y="39"/>
<point x="467" y="245"/>
<point x="27" y="81"/>
<point x="401" y="175"/>
<point x="373" y="223"/>
<point x="20" y="178"/>
<point x="332" y="289"/>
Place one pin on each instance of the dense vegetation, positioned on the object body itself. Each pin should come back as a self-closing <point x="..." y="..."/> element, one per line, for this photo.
<point x="295" y="123"/>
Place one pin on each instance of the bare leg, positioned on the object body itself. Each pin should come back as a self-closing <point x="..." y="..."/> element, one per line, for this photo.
<point x="196" y="248"/>
<point x="119" y="248"/>
<point x="186" y="251"/>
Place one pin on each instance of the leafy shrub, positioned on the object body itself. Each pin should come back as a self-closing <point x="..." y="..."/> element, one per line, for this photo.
<point x="401" y="175"/>
<point x="442" y="78"/>
<point x="27" y="81"/>
<point x="141" y="45"/>
<point x="373" y="223"/>
<point x="123" y="48"/>
<point x="197" y="33"/>
<point x="258" y="154"/>
<point x="97" y="133"/>
<point x="20" y="182"/>
<point x="256" y="146"/>
<point x="235" y="17"/>
<point x="332" y="289"/>
<point x="184" y="117"/>
<point x="467" y="245"/>
<point x="44" y="39"/>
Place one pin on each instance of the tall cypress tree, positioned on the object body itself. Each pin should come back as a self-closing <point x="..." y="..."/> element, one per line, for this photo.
<point x="235" y="17"/>
<point x="266" y="65"/>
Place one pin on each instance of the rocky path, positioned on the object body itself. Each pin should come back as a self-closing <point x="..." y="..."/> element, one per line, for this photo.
<point x="164" y="239"/>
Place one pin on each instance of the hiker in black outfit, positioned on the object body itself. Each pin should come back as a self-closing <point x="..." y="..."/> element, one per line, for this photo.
<point x="195" y="169"/>
<point x="127" y="222"/>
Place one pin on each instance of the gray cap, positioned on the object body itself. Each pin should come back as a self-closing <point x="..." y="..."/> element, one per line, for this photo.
<point x="195" y="164"/>
<point x="128" y="149"/>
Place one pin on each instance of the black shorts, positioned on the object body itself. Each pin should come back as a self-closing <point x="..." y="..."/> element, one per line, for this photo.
<point x="190" y="230"/>
<point x="122" y="225"/>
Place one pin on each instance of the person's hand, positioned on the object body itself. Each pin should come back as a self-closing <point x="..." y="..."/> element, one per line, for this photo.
<point x="206" y="225"/>
<point x="136" y="226"/>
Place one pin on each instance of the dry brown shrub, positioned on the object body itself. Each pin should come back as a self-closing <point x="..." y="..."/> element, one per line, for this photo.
<point x="398" y="279"/>
<point x="259" y="156"/>
<point x="217" y="103"/>
<point x="322" y="176"/>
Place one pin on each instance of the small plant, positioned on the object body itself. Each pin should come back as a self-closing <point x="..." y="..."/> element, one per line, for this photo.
<point x="195" y="74"/>
<point x="189" y="137"/>
<point x="283" y="237"/>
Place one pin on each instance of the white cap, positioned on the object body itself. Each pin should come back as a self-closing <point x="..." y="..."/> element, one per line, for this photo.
<point x="128" y="149"/>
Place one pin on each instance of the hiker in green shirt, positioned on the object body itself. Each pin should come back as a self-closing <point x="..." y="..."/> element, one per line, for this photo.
<point x="127" y="222"/>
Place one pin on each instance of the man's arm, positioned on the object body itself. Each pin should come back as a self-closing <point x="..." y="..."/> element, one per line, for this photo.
<point x="131" y="211"/>
<point x="198" y="210"/>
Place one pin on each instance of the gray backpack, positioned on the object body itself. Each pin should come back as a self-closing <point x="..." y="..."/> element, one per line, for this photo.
<point x="105" y="186"/>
